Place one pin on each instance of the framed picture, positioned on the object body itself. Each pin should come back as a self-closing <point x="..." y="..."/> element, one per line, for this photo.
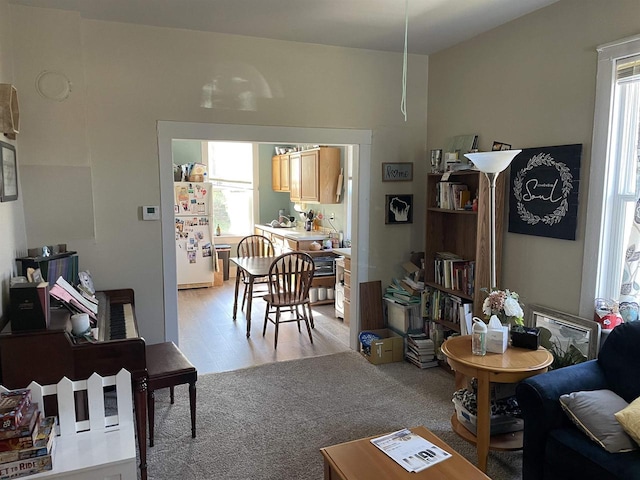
<point x="567" y="332"/>
<point x="500" y="146"/>
<point x="543" y="193"/>
<point x="398" y="209"/>
<point x="9" y="173"/>
<point x="397" y="172"/>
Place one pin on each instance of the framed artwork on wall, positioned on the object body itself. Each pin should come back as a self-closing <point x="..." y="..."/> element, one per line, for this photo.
<point x="397" y="172"/>
<point x="543" y="197"/>
<point x="9" y="173"/>
<point x="398" y="209"/>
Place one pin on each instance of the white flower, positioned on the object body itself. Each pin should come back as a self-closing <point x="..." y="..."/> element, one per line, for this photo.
<point x="486" y="306"/>
<point x="512" y="308"/>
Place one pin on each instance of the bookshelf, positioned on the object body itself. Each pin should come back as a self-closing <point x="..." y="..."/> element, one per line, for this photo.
<point x="53" y="266"/>
<point x="464" y="233"/>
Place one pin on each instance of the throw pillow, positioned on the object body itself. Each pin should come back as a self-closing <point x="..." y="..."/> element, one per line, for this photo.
<point x="594" y="413"/>
<point x="629" y="418"/>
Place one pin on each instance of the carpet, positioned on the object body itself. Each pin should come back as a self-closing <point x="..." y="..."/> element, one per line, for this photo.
<point x="269" y="422"/>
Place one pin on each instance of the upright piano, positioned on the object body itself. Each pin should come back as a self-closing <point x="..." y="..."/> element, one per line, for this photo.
<point x="48" y="355"/>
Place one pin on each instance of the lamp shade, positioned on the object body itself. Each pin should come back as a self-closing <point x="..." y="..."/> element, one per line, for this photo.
<point x="494" y="161"/>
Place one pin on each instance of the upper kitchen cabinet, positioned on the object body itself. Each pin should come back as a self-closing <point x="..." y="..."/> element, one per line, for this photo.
<point x="314" y="175"/>
<point x="280" y="173"/>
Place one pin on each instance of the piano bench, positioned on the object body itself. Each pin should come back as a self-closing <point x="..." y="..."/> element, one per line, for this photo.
<point x="167" y="367"/>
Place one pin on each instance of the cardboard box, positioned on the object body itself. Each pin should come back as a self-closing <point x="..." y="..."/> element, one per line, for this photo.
<point x="497" y="339"/>
<point x="390" y="348"/>
<point x="403" y="318"/>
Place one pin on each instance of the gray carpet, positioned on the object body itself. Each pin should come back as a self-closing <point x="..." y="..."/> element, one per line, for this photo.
<point x="269" y="422"/>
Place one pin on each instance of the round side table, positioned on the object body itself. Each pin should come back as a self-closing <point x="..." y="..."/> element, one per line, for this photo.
<point x="512" y="366"/>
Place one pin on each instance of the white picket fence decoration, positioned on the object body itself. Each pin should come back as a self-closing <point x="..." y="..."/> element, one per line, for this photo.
<point x="94" y="386"/>
<point x="102" y="447"/>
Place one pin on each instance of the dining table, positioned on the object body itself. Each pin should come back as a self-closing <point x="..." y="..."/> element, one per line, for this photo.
<point x="252" y="267"/>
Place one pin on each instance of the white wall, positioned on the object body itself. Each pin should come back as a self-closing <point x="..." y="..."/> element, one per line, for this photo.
<point x="130" y="77"/>
<point x="531" y="83"/>
<point x="13" y="240"/>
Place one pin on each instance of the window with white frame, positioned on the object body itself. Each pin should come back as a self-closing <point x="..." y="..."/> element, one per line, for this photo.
<point x="614" y="177"/>
<point x="231" y="171"/>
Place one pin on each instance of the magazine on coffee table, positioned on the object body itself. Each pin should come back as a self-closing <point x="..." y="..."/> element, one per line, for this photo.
<point x="410" y="450"/>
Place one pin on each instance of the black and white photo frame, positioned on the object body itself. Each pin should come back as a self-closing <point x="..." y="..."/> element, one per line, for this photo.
<point x="398" y="209"/>
<point x="8" y="173"/>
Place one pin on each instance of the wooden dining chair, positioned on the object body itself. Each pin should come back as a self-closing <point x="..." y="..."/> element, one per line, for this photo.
<point x="254" y="246"/>
<point x="290" y="277"/>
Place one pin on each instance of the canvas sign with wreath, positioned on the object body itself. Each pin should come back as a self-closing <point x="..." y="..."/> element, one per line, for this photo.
<point x="543" y="198"/>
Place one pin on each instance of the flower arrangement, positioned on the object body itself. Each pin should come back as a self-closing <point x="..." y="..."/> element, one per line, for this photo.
<point x="505" y="305"/>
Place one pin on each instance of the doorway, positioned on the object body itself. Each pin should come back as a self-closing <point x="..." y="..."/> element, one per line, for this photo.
<point x="357" y="144"/>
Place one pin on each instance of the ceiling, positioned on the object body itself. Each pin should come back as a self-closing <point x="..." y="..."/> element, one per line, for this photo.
<point x="371" y="24"/>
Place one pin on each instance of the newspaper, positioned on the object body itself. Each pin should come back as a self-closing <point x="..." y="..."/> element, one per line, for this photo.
<point x="410" y="450"/>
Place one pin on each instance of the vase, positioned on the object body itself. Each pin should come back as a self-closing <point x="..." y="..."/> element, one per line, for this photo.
<point x="525" y="337"/>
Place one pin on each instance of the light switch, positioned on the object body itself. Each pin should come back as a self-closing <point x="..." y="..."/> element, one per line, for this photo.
<point x="150" y="212"/>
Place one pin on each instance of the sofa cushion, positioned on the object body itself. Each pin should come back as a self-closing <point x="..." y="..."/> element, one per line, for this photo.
<point x="593" y="412"/>
<point x="629" y="418"/>
<point x="620" y="362"/>
<point x="570" y="455"/>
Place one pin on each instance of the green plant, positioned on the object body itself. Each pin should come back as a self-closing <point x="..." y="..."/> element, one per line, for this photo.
<point x="561" y="357"/>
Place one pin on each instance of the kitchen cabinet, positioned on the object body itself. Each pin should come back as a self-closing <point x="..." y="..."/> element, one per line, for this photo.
<point x="314" y="175"/>
<point x="280" y="173"/>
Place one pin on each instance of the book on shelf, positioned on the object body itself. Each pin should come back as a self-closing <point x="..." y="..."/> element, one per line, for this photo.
<point x="410" y="450"/>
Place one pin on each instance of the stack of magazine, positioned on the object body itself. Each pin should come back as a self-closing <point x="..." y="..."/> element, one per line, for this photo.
<point x="421" y="350"/>
<point x="410" y="450"/>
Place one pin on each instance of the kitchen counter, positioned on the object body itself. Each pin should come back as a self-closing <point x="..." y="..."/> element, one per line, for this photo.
<point x="345" y="252"/>
<point x="297" y="233"/>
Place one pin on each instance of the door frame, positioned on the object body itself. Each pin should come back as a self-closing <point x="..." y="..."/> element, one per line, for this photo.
<point x="358" y="145"/>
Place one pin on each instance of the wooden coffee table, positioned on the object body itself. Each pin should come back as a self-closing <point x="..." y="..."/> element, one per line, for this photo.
<point x="512" y="366"/>
<point x="361" y="460"/>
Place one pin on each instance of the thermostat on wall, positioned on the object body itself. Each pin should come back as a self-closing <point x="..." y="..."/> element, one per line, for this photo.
<point x="151" y="212"/>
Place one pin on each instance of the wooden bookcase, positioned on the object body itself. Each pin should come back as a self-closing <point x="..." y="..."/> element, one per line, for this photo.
<point x="464" y="233"/>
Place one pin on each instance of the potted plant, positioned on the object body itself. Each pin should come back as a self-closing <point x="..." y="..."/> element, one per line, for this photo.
<point x="506" y="306"/>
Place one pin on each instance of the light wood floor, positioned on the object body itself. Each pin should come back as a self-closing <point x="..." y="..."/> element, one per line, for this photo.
<point x="213" y="342"/>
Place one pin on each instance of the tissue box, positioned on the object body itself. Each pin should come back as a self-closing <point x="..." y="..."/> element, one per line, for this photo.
<point x="497" y="339"/>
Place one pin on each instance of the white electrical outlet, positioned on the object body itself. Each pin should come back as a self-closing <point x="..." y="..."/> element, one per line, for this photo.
<point x="332" y="216"/>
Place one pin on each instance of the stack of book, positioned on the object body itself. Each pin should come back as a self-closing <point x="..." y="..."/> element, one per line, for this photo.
<point x="421" y="350"/>
<point x="397" y="293"/>
<point x="26" y="439"/>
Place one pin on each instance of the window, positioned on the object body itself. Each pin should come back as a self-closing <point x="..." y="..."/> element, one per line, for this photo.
<point x="231" y="171"/>
<point x="614" y="176"/>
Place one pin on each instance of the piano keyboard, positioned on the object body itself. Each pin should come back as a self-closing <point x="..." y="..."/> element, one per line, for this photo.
<point x="116" y="321"/>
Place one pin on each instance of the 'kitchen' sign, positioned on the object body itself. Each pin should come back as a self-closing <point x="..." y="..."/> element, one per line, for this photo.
<point x="544" y="191"/>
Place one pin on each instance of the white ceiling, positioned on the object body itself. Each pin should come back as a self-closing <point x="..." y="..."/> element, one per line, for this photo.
<point x="372" y="24"/>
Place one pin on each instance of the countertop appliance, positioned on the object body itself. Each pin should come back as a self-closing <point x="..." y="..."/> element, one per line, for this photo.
<point x="325" y="266"/>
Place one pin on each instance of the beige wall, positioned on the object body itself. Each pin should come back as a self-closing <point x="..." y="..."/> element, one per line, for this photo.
<point x="13" y="238"/>
<point x="531" y="83"/>
<point x="126" y="78"/>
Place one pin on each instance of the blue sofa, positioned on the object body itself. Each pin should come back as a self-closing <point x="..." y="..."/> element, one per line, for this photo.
<point x="554" y="448"/>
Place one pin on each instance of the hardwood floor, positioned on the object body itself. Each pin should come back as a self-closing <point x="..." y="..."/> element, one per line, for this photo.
<point x="213" y="342"/>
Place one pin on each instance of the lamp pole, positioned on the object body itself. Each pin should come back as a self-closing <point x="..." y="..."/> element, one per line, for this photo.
<point x="492" y="177"/>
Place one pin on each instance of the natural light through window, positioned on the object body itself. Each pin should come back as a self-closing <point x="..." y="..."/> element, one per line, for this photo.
<point x="231" y="174"/>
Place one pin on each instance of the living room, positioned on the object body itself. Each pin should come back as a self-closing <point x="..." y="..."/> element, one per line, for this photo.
<point x="530" y="82"/>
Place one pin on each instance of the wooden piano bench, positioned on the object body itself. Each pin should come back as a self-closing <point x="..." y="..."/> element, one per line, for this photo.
<point x="167" y="367"/>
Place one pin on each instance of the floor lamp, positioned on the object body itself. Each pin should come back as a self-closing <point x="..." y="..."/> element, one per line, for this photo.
<point x="491" y="164"/>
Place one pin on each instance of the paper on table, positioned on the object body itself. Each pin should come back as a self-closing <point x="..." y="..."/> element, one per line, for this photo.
<point x="410" y="450"/>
